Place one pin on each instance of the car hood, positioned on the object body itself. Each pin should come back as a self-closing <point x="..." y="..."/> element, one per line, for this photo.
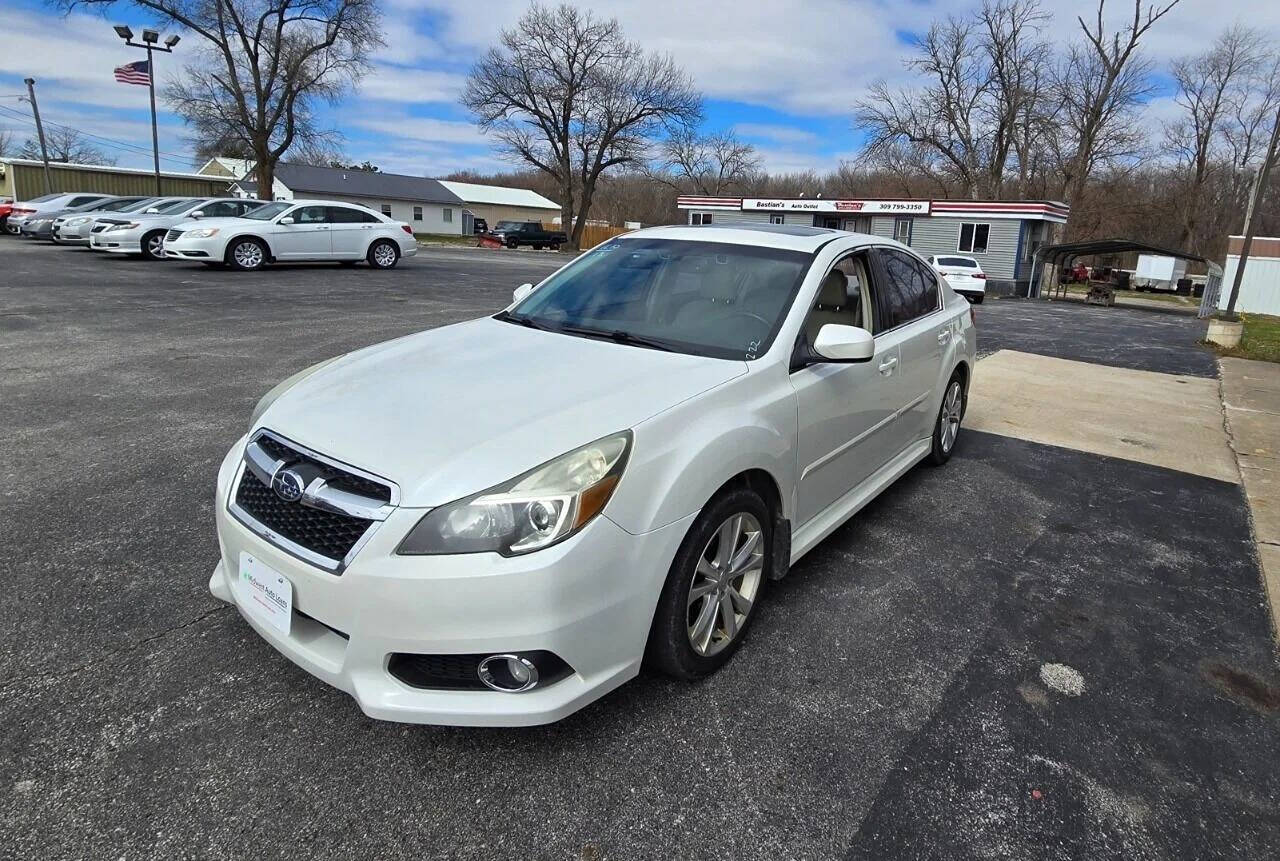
<point x="455" y="410"/>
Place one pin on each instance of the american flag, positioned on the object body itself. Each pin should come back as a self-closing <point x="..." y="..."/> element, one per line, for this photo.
<point x="135" y="73"/>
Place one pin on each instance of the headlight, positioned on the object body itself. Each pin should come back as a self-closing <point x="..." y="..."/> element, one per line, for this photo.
<point x="84" y="219"/>
<point x="201" y="232"/>
<point x="130" y="226"/>
<point x="530" y="512"/>
<point x="283" y="386"/>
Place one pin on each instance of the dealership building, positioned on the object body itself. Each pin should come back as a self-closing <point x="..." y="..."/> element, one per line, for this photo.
<point x="1002" y="235"/>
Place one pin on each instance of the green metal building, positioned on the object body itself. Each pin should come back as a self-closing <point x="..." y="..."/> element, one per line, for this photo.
<point x="23" y="179"/>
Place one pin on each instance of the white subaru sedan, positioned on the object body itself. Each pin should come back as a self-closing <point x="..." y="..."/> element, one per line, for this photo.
<point x="294" y="231"/>
<point x="496" y="522"/>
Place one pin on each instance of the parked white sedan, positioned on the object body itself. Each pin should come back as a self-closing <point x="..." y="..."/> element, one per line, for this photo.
<point x="963" y="274"/>
<point x="298" y="230"/>
<point x="495" y="522"/>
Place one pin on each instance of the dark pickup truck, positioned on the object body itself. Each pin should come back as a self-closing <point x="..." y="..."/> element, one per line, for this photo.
<point x="513" y="234"/>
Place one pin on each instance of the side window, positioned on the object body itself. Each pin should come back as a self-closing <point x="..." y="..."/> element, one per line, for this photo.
<point x="220" y="209"/>
<point x="843" y="298"/>
<point x="929" y="302"/>
<point x="310" y="215"/>
<point x="348" y="215"/>
<point x="83" y="199"/>
<point x="906" y="294"/>
<point x="417" y="213"/>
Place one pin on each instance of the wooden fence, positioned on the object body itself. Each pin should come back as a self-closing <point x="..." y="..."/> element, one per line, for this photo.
<point x="594" y="234"/>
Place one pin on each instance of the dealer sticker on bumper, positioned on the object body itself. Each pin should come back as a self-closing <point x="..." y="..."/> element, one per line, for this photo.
<point x="266" y="592"/>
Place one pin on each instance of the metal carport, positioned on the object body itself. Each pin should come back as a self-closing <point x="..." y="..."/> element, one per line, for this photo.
<point x="1066" y="252"/>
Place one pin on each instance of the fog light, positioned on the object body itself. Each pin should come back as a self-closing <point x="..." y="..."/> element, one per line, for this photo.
<point x="508" y="673"/>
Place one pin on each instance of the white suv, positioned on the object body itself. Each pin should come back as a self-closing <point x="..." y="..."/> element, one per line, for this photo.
<point x="495" y="522"/>
<point x="963" y="274"/>
<point x="299" y="230"/>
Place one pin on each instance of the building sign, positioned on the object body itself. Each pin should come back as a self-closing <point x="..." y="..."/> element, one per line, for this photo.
<point x="853" y="207"/>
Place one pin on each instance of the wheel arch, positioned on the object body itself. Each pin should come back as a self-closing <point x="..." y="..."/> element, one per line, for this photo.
<point x="226" y="249"/>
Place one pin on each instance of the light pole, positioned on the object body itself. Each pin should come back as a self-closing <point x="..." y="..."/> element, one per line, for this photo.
<point x="44" y="151"/>
<point x="149" y="40"/>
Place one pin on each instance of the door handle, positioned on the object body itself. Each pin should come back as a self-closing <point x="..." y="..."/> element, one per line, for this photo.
<point x="887" y="366"/>
<point x="944" y="336"/>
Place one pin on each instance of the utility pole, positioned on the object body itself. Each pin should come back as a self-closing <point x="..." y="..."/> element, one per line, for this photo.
<point x="44" y="150"/>
<point x="1259" y="189"/>
<point x="149" y="39"/>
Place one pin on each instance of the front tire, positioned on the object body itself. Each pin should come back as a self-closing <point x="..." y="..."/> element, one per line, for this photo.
<point x="246" y="254"/>
<point x="947" y="427"/>
<point x="713" y="587"/>
<point x="153" y="245"/>
<point x="384" y="254"/>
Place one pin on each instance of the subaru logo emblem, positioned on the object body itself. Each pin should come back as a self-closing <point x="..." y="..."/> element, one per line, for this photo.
<point x="288" y="485"/>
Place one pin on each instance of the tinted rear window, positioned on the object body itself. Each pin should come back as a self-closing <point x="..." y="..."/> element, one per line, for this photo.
<point x="966" y="262"/>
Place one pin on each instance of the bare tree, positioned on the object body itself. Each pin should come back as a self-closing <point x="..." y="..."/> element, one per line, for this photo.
<point x="713" y="164"/>
<point x="65" y="144"/>
<point x="982" y="89"/>
<point x="263" y="65"/>
<point x="7" y="142"/>
<point x="568" y="94"/>
<point x="1210" y="86"/>
<point x="1099" y="85"/>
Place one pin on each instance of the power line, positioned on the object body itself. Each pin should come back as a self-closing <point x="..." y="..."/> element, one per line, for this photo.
<point x="110" y="143"/>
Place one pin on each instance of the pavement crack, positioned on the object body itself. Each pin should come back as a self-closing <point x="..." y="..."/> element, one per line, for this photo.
<point x="8" y="685"/>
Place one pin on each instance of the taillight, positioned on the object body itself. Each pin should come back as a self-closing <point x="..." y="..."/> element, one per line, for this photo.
<point x="981" y="275"/>
<point x="407" y="229"/>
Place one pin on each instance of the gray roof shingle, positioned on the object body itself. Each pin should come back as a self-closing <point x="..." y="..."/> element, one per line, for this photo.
<point x="309" y="180"/>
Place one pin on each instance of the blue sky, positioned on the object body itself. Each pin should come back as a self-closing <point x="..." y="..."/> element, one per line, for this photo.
<point x="782" y="73"/>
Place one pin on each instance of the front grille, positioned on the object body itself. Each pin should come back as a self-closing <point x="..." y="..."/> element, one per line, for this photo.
<point x="337" y="478"/>
<point x="173" y="234"/>
<point x="329" y="535"/>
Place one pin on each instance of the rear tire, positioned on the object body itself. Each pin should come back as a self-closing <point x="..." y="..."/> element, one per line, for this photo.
<point x="384" y="254"/>
<point x="977" y="298"/>
<point x="946" y="428"/>
<point x="711" y="592"/>
<point x="246" y="254"/>
<point x="153" y="245"/>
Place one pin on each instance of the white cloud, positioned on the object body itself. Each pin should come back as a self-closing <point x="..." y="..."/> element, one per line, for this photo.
<point x="779" y="133"/>
<point x="420" y="129"/>
<point x="403" y="84"/>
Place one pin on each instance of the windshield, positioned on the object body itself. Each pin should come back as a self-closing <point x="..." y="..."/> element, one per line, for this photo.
<point x="958" y="261"/>
<point x="269" y="211"/>
<point x="172" y="206"/>
<point x="121" y="204"/>
<point x="134" y="206"/>
<point x="705" y="298"/>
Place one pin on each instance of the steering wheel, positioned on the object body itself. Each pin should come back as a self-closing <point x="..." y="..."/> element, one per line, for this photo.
<point x="765" y="324"/>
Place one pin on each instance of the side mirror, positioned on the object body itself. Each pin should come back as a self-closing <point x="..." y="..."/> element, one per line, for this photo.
<point x="199" y="213"/>
<point x="152" y="211"/>
<point x="522" y="291"/>
<point x="839" y="343"/>
<point x="288" y="219"/>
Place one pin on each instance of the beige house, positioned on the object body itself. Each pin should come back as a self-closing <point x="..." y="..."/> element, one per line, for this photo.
<point x="496" y="203"/>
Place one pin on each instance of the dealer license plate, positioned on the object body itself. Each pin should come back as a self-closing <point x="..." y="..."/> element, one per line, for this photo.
<point x="266" y="593"/>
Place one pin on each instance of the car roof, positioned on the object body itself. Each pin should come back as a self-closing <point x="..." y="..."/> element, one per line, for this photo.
<point x="320" y="202"/>
<point x="793" y="237"/>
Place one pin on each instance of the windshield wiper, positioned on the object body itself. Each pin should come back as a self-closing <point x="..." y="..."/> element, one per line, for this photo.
<point x="619" y="336"/>
<point x="519" y="320"/>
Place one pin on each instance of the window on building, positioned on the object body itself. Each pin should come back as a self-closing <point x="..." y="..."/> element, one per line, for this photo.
<point x="776" y="219"/>
<point x="973" y="238"/>
<point x="448" y="216"/>
<point x="701" y="218"/>
<point x="386" y="209"/>
<point x="902" y="230"/>
<point x="417" y="213"/>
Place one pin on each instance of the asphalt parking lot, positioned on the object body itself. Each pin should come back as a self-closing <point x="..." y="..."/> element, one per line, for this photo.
<point x="891" y="700"/>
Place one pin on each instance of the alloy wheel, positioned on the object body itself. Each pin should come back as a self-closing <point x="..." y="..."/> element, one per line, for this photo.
<point x="155" y="245"/>
<point x="384" y="255"/>
<point x="949" y="421"/>
<point x="248" y="255"/>
<point x="725" y="584"/>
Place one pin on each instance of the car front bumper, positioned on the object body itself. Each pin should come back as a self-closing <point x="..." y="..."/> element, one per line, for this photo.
<point x="72" y="234"/>
<point x="117" y="241"/>
<point x="184" y="248"/>
<point x="589" y="600"/>
<point x="37" y="229"/>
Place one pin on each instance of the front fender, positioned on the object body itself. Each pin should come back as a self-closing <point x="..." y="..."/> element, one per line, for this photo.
<point x="682" y="456"/>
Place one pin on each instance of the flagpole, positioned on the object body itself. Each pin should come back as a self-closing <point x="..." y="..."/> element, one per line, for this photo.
<point x="149" y="39"/>
<point x="155" y="135"/>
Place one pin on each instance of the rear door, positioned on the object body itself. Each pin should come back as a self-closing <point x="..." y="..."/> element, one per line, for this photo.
<point x="911" y="305"/>
<point x="307" y="238"/>
<point x="351" y="231"/>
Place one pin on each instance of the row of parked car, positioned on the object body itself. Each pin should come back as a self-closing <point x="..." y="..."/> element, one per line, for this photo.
<point x="217" y="231"/>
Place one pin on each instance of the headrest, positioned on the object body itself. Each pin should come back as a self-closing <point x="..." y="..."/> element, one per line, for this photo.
<point x="834" y="292"/>
<point x="720" y="283"/>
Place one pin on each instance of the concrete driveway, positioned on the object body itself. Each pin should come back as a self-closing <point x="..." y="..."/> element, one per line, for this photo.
<point x="1034" y="651"/>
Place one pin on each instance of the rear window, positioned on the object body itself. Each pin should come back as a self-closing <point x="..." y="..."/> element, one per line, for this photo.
<point x="42" y="198"/>
<point x="966" y="262"/>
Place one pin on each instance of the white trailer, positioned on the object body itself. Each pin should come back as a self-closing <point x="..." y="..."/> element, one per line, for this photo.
<point x="1157" y="272"/>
